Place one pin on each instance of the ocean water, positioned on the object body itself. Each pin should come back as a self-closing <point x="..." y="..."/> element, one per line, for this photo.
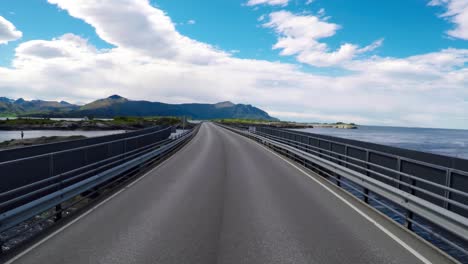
<point x="448" y="142"/>
<point x="8" y="135"/>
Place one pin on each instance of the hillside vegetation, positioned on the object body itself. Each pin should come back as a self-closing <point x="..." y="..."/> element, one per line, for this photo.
<point x="118" y="123"/>
<point x="119" y="106"/>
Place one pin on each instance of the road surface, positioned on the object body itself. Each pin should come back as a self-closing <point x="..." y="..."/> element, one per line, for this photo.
<point x="226" y="199"/>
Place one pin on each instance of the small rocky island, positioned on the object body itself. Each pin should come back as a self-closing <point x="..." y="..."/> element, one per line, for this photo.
<point x="290" y="125"/>
<point x="339" y="125"/>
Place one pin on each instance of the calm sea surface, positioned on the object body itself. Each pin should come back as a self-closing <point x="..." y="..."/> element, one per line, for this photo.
<point x="8" y="135"/>
<point x="449" y="142"/>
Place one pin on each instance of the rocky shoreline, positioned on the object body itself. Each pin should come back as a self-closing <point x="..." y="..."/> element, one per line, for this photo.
<point x="86" y="125"/>
<point x="17" y="143"/>
<point x="286" y="124"/>
<point x="338" y="126"/>
<point x="301" y="126"/>
<point x="72" y="125"/>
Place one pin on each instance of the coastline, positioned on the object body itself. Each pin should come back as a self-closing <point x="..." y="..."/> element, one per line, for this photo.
<point x="119" y="123"/>
<point x="18" y="143"/>
<point x="286" y="124"/>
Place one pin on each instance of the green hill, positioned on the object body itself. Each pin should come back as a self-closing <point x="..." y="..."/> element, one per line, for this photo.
<point x="119" y="106"/>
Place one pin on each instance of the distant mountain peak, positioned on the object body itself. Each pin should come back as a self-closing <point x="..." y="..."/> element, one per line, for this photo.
<point x="115" y="97"/>
<point x="224" y="104"/>
<point x="117" y="105"/>
<point x="107" y="102"/>
<point x="6" y="100"/>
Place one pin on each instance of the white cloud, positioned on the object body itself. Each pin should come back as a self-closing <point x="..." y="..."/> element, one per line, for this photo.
<point x="374" y="45"/>
<point x="423" y="90"/>
<point x="191" y="22"/>
<point x="300" y="34"/>
<point x="67" y="46"/>
<point x="268" y="2"/>
<point x="457" y="13"/>
<point x="308" y="2"/>
<point x="321" y="12"/>
<point x="8" y="31"/>
<point x="149" y="31"/>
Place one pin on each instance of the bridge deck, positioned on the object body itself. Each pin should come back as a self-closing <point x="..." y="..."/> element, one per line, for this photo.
<point x="224" y="199"/>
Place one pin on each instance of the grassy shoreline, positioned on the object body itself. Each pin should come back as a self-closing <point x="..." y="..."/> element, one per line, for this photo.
<point x="118" y="123"/>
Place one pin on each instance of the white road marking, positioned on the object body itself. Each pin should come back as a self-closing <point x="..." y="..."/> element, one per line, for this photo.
<point x="383" y="229"/>
<point x="379" y="226"/>
<point x="29" y="249"/>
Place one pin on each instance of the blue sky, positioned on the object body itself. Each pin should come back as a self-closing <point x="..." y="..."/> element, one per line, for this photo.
<point x="363" y="21"/>
<point x="400" y="62"/>
<point x="232" y="26"/>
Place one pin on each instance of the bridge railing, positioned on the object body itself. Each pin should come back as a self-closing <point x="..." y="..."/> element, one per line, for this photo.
<point x="367" y="178"/>
<point x="26" y="201"/>
<point x="35" y="150"/>
<point x="441" y="185"/>
<point x="28" y="178"/>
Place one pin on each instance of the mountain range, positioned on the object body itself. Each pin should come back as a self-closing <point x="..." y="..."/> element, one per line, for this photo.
<point x="119" y="106"/>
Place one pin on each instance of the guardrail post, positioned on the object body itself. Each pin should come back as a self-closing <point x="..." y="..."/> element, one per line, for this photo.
<point x="346" y="156"/>
<point x="399" y="170"/>
<point x="366" y="191"/>
<point x="338" y="179"/>
<point x="58" y="216"/>
<point x="408" y="222"/>
<point x="367" y="163"/>
<point x="318" y="146"/>
<point x="448" y="183"/>
<point x="58" y="212"/>
<point x="409" y="214"/>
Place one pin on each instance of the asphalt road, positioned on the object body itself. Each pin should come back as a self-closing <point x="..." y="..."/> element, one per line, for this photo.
<point x="222" y="199"/>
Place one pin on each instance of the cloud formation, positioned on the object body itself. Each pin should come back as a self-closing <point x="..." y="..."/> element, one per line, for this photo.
<point x="457" y="13"/>
<point x="300" y="35"/>
<point x="136" y="25"/>
<point x="8" y="31"/>
<point x="268" y="2"/>
<point x="151" y="60"/>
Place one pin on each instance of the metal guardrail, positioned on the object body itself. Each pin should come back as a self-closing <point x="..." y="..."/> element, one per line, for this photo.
<point x="418" y="177"/>
<point x="35" y="150"/>
<point x="61" y="188"/>
<point x="35" y="175"/>
<point x="340" y="167"/>
<point x="364" y="165"/>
